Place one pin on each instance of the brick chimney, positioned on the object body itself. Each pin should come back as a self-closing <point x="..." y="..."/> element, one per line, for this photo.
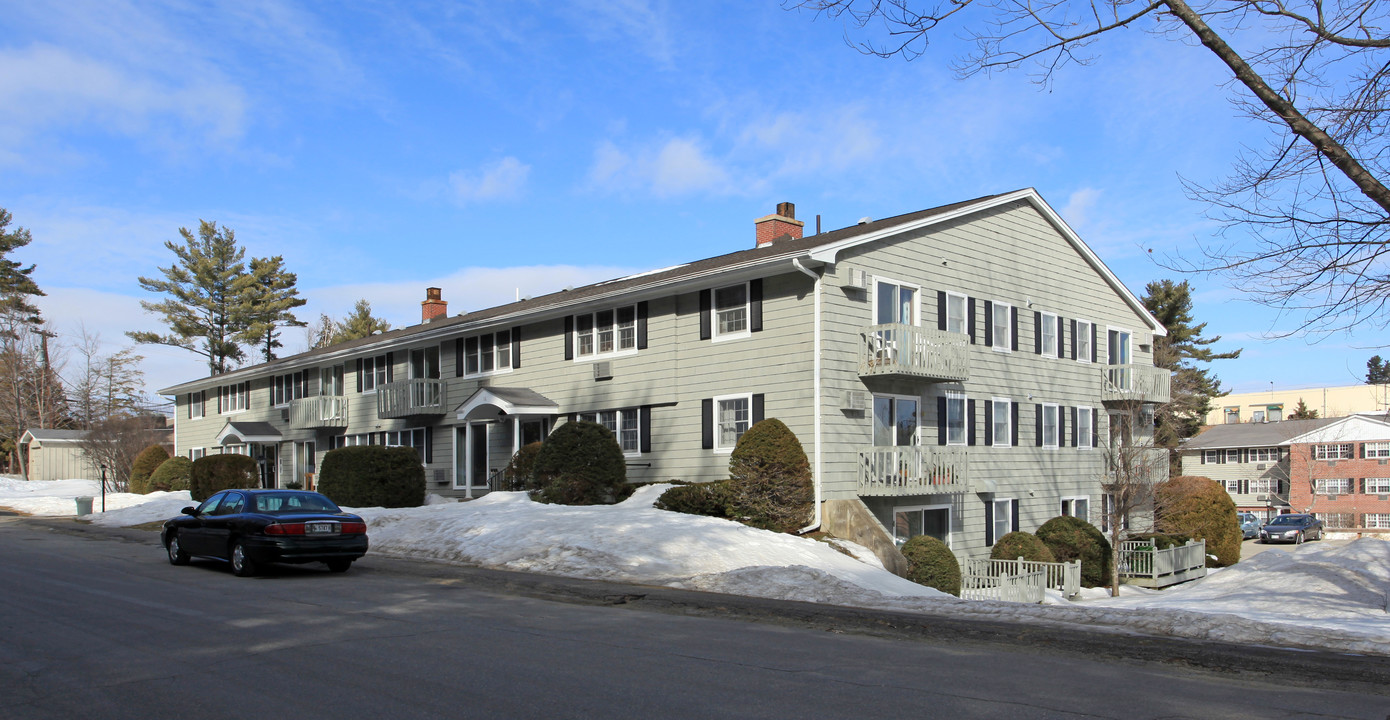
<point x="433" y="308"/>
<point x="781" y="226"/>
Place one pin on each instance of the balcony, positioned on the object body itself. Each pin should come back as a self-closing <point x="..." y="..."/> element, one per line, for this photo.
<point x="1142" y="383"/>
<point x="408" y="398"/>
<point x="1136" y="464"/>
<point x="917" y="352"/>
<point x="913" y="470"/>
<point x="322" y="411"/>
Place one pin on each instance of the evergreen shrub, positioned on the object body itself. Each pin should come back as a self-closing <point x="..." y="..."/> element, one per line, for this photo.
<point x="212" y="473"/>
<point x="1071" y="538"/>
<point x="144" y="465"/>
<point x="1162" y="541"/>
<point x="172" y="475"/>
<point x="1019" y="544"/>
<point x="373" y="476"/>
<point x="931" y="563"/>
<point x="709" y="499"/>
<point x="770" y="485"/>
<point x="521" y="471"/>
<point x="1201" y="509"/>
<point x="580" y="463"/>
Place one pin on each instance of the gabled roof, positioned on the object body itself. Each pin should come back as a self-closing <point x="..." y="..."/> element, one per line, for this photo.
<point x="1348" y="429"/>
<point x="1245" y="435"/>
<point x="821" y="248"/>
<point x="53" y="436"/>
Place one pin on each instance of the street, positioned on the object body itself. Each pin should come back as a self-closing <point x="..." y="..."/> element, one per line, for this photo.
<point x="101" y="626"/>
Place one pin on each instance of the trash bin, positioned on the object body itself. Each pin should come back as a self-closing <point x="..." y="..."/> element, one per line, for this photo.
<point x="84" y="506"/>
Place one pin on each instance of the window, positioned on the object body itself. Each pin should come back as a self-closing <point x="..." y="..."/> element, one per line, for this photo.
<point x="731" y="311"/>
<point x="895" y="421"/>
<point x="932" y="520"/>
<point x="1376" y="486"/>
<point x="1375" y="520"/>
<point x="733" y="417"/>
<point x="1002" y="422"/>
<point x="1232" y="456"/>
<point x="623" y="424"/>
<point x="1236" y="486"/>
<point x="492" y="352"/>
<point x="1264" y="455"/>
<point x="291" y="386"/>
<point x="195" y="453"/>
<point x="1342" y="451"/>
<point x="956" y="321"/>
<point x="895" y="303"/>
<point x="1232" y="416"/>
<point x="1049" y="425"/>
<point x="1332" y="486"/>
<point x="1049" y="335"/>
<point x="1107" y="509"/>
<point x="1077" y="507"/>
<point x="955" y="418"/>
<point x="234" y="398"/>
<point x="1085" y="426"/>
<point x="1000" y="327"/>
<point x="1083" y="341"/>
<point x="196" y="403"/>
<point x="1264" y="485"/>
<point x="331" y="380"/>
<point x="1336" y="520"/>
<point x="1213" y="457"/>
<point x="1376" y="450"/>
<point x="601" y="333"/>
<point x="374" y="373"/>
<point x="1001" y="520"/>
<point x="417" y="438"/>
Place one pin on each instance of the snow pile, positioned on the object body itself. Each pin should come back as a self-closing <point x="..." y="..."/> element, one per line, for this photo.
<point x="56" y="498"/>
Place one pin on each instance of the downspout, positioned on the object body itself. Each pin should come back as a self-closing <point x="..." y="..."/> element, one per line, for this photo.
<point x="815" y="390"/>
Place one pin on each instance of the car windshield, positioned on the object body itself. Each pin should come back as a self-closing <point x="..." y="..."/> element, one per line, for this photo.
<point x="1287" y="520"/>
<point x="294" y="502"/>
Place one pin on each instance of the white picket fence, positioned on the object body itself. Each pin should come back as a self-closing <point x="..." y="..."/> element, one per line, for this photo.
<point x="1017" y="580"/>
<point x="1141" y="564"/>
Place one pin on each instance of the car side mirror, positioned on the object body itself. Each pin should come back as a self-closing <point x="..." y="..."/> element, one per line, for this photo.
<point x="191" y="511"/>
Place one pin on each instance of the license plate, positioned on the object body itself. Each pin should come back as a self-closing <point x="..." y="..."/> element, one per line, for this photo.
<point x="320" y="527"/>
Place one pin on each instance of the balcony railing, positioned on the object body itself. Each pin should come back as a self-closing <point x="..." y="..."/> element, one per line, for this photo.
<point x="897" y="349"/>
<point x="913" y="470"/>
<point x="1144" y="383"/>
<point x="1127" y="465"/>
<point x="321" y="411"/>
<point x="410" y="397"/>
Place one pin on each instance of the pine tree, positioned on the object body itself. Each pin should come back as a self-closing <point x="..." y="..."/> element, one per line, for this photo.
<point x="1178" y="351"/>
<point x="359" y="324"/>
<point x="1377" y="371"/>
<point x="269" y="302"/>
<point x="1303" y="412"/>
<point x="16" y="284"/>
<point x="207" y="307"/>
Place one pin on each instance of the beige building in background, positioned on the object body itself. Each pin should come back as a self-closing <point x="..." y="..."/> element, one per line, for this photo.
<point x="1276" y="405"/>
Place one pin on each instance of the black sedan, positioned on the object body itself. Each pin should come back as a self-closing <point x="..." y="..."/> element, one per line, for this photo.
<point x="250" y="528"/>
<point x="1291" y="528"/>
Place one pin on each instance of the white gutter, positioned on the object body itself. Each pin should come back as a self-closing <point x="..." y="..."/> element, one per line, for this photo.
<point x="815" y="390"/>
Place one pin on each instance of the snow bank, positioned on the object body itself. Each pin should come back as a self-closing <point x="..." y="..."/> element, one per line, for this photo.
<point x="56" y="498"/>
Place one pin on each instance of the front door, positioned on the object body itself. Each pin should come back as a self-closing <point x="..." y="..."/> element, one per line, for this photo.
<point x="304" y="467"/>
<point x="477" y="454"/>
<point x="267" y="458"/>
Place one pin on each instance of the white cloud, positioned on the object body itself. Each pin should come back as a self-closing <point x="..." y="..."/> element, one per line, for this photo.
<point x="1080" y="205"/>
<point x="636" y="24"/>
<point x="502" y="180"/>
<point x="678" y="166"/>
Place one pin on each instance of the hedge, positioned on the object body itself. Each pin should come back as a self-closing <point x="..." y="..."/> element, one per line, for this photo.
<point x="580" y="463"/>
<point x="373" y="476"/>
<point x="172" y="475"/>
<point x="213" y="473"/>
<point x="1019" y="544"/>
<point x="710" y="499"/>
<point x="1200" y="508"/>
<point x="931" y="563"/>
<point x="1071" y="538"/>
<point x="770" y="485"/>
<point x="144" y="466"/>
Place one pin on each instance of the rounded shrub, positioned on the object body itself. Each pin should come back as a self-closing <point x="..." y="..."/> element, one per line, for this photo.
<point x="931" y="563"/>
<point x="1199" y="508"/>
<point x="521" y="471"/>
<point x="144" y="466"/>
<point x="212" y="473"/>
<point x="709" y="499"/>
<point x="172" y="475"/>
<point x="770" y="484"/>
<point x="580" y="463"/>
<point x="373" y="476"/>
<point x="1071" y="538"/>
<point x="1019" y="544"/>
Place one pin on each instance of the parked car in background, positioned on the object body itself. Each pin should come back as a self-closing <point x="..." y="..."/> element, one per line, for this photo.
<point x="1291" y="528"/>
<point x="252" y="528"/>
<point x="1249" y="525"/>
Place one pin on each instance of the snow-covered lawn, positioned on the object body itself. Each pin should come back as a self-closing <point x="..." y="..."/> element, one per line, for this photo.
<point x="1310" y="596"/>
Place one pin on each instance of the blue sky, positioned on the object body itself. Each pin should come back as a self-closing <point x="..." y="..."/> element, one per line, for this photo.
<point x="490" y="148"/>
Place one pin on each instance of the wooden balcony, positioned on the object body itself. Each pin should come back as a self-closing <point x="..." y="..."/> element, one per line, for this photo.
<point x="913" y="470"/>
<point x="321" y="411"/>
<point x="408" y="398"/>
<point x="914" y="352"/>
<point x="1137" y="464"/>
<point x="1133" y="382"/>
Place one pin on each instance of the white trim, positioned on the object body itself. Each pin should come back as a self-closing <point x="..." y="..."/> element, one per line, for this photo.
<point x="964" y="311"/>
<point x="1356" y="428"/>
<point x="617" y="351"/>
<point x="916" y="299"/>
<point x="816" y="391"/>
<point x="1083" y="442"/>
<point x="1072" y="499"/>
<point x="965" y="421"/>
<point x="873" y="417"/>
<point x="1049" y="320"/>
<point x="950" y="520"/>
<point x="1008" y="516"/>
<point x="596" y="416"/>
<point x="1129" y="345"/>
<point x="1007" y="345"/>
<point x="718" y="448"/>
<point x="1084" y="357"/>
<point x="1008" y="421"/>
<point x="1056" y="426"/>
<point x="714" y="334"/>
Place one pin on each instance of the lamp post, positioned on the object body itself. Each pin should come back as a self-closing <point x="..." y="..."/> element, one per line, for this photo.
<point x="103" y="487"/>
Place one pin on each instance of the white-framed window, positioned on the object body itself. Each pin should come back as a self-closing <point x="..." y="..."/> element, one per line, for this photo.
<point x="331" y="380"/>
<point x="197" y="404"/>
<point x="290" y="386"/>
<point x="1264" y="485"/>
<point x="1085" y="426"/>
<point x="1078" y="507"/>
<point x="1376" y="450"/>
<point x="957" y="306"/>
<point x="1003" y="431"/>
<point x="731" y="312"/>
<point x="733" y="415"/>
<point x="492" y="352"/>
<point x="955" y="418"/>
<point x="612" y="331"/>
<point x="1337" y="451"/>
<point x="1333" y="486"/>
<point x="913" y="520"/>
<point x="1264" y="454"/>
<point x="236" y="450"/>
<point x="234" y="398"/>
<point x="195" y="453"/>
<point x="1232" y="456"/>
<point x="894" y="302"/>
<point x="896" y="420"/>
<point x="1375" y="520"/>
<point x="1376" y="486"/>
<point x="624" y="424"/>
<point x="1083" y="341"/>
<point x="1232" y="416"/>
<point x="1237" y="486"/>
<point x="374" y="372"/>
<point x="1049" y="335"/>
<point x="1002" y="521"/>
<point x="409" y="437"/>
<point x="1050" y="428"/>
<point x="1336" y="520"/>
<point x="1000" y="327"/>
<point x="1107" y="509"/>
<point x="1213" y="457"/>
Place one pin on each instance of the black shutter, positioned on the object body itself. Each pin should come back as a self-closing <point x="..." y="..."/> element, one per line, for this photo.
<point x="1037" y="332"/>
<point x="458" y="357"/>
<point x="970" y="422"/>
<point x="970" y="319"/>
<point x="989" y="523"/>
<point x="359" y="375"/>
<point x="755" y="305"/>
<point x="941" y="310"/>
<point x="1037" y="425"/>
<point x="516" y="347"/>
<point x="989" y="324"/>
<point x="1013" y="328"/>
<point x="1061" y="426"/>
<point x="470" y="348"/>
<point x="1094" y="349"/>
<point x="941" y="420"/>
<point x="1013" y="515"/>
<point x="989" y="423"/>
<point x="390" y="366"/>
<point x="1061" y="332"/>
<point x="642" y="325"/>
<point x="757" y="408"/>
<point x="429" y="445"/>
<point x="1074" y="427"/>
<point x="569" y="337"/>
<point x="644" y="428"/>
<point x="704" y="316"/>
<point x="1095" y="427"/>
<point x="1073" y="339"/>
<point x="707" y="422"/>
<point x="1013" y="423"/>
<point x="190" y="405"/>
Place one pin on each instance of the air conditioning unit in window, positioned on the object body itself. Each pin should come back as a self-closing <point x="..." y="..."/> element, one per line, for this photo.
<point x="857" y="400"/>
<point x="857" y="279"/>
<point x="1261" y="498"/>
<point x="603" y="370"/>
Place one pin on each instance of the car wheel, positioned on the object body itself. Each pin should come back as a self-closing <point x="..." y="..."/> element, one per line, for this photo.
<point x="242" y="565"/>
<point x="176" y="554"/>
<point x="1319" y="537"/>
<point x="338" y="566"/>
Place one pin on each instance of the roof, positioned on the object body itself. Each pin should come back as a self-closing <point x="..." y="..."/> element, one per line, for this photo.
<point x="1244" y="435"/>
<point x="247" y="432"/>
<point x="507" y="401"/>
<point x="820" y="248"/>
<point x="50" y="435"/>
